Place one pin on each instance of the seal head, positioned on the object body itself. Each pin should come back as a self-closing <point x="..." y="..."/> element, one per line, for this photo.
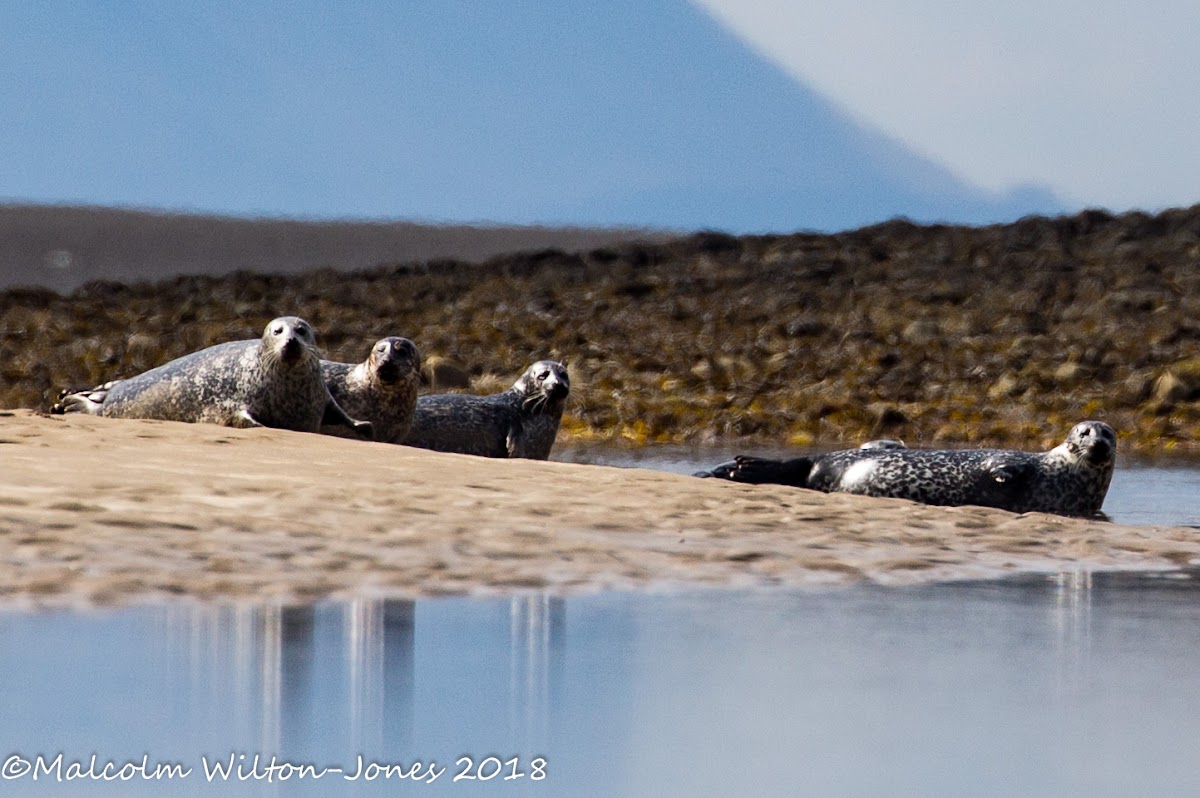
<point x="543" y="387"/>
<point x="1092" y="443"/>
<point x="394" y="359"/>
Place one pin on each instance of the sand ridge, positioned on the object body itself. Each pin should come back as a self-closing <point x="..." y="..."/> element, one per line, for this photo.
<point x="98" y="511"/>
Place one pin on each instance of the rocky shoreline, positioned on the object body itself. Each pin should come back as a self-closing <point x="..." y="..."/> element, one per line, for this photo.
<point x="1003" y="335"/>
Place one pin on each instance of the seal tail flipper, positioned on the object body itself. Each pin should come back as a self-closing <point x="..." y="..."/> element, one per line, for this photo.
<point x="335" y="416"/>
<point x="763" y="471"/>
<point x="719" y="471"/>
<point x="82" y="400"/>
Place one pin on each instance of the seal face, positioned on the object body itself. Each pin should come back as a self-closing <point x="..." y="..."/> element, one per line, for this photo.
<point x="274" y="381"/>
<point x="382" y="389"/>
<point x="1070" y="479"/>
<point x="520" y="422"/>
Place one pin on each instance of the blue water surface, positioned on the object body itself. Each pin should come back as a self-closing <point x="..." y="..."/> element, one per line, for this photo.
<point x="1075" y="684"/>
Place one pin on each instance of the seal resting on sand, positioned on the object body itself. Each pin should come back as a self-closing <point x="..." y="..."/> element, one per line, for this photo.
<point x="382" y="389"/>
<point x="274" y="381"/>
<point x="520" y="422"/>
<point x="1070" y="479"/>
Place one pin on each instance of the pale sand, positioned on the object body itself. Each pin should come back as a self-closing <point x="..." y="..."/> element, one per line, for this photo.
<point x="99" y="511"/>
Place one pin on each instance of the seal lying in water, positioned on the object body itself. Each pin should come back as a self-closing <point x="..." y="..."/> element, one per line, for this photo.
<point x="520" y="422"/>
<point x="274" y="381"/>
<point x="382" y="389"/>
<point x="1070" y="479"/>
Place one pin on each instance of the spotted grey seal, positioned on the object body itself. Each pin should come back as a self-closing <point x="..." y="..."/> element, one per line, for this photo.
<point x="382" y="389"/>
<point x="274" y="381"/>
<point x="1070" y="479"/>
<point x="519" y="422"/>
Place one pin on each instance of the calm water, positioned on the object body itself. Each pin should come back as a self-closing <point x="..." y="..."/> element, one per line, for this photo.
<point x="1079" y="684"/>
<point x="1140" y="493"/>
<point x="1073" y="685"/>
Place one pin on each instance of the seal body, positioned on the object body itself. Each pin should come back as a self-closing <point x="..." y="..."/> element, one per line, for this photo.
<point x="520" y="422"/>
<point x="382" y="389"/>
<point x="274" y="381"/>
<point x="1070" y="479"/>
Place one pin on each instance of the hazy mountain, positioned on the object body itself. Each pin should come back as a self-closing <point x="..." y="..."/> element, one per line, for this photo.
<point x="623" y="112"/>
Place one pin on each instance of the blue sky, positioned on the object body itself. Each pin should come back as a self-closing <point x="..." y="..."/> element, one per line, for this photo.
<point x="755" y="114"/>
<point x="1098" y="99"/>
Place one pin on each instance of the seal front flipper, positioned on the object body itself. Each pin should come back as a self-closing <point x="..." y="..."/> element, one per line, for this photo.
<point x="515" y="440"/>
<point x="1004" y="483"/>
<point x="336" y="416"/>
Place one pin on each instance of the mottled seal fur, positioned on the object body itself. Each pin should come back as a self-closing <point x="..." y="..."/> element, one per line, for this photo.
<point x="382" y="389"/>
<point x="1070" y="479"/>
<point x="520" y="422"/>
<point x="274" y="381"/>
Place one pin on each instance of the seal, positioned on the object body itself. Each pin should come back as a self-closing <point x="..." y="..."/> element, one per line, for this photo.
<point x="274" y="381"/>
<point x="1070" y="479"/>
<point x="520" y="422"/>
<point x="382" y="389"/>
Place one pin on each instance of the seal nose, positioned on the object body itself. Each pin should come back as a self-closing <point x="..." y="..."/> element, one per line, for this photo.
<point x="389" y="371"/>
<point x="556" y="389"/>
<point x="292" y="350"/>
<point x="1101" y="451"/>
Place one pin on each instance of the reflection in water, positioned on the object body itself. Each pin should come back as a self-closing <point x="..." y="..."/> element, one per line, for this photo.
<point x="337" y="679"/>
<point x="1077" y="684"/>
<point x="535" y="633"/>
<point x="363" y="627"/>
<point x="1073" y="617"/>
<point x="286" y="676"/>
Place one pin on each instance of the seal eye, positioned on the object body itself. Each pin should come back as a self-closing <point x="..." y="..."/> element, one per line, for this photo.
<point x="278" y="330"/>
<point x="543" y="375"/>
